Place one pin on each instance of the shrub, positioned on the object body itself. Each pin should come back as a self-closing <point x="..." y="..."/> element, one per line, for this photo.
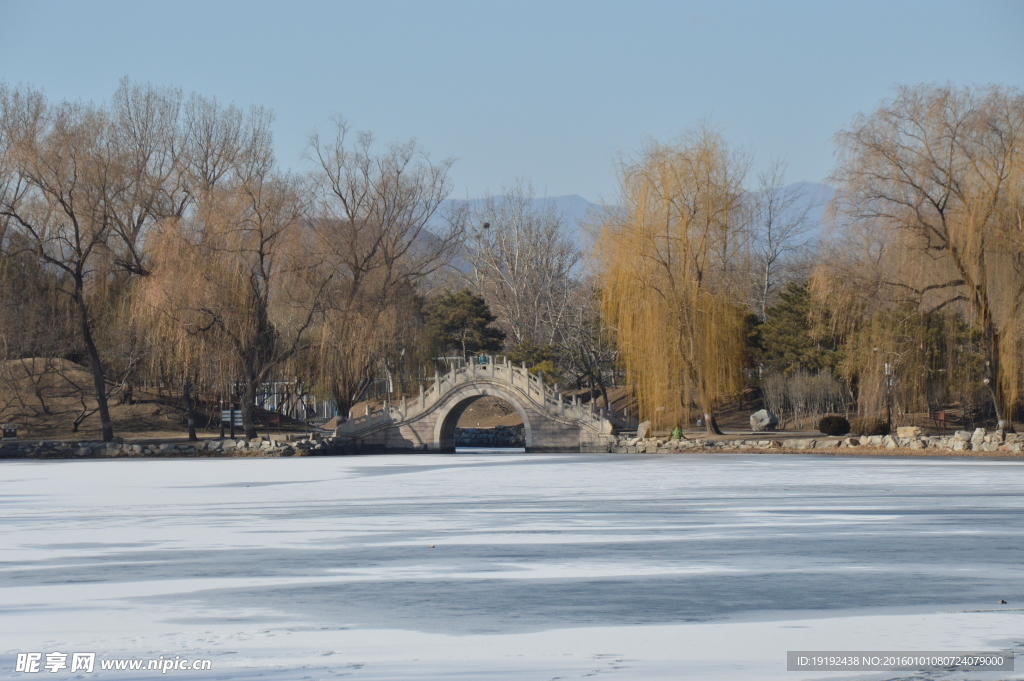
<point x="869" y="427"/>
<point x="834" y="425"/>
<point x="803" y="394"/>
<point x="876" y="428"/>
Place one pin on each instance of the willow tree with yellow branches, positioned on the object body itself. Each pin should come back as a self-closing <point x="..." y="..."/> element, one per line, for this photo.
<point x="235" y="288"/>
<point x="932" y="188"/>
<point x="671" y="261"/>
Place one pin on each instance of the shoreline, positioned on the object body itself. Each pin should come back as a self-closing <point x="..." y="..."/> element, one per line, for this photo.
<point x="37" y="452"/>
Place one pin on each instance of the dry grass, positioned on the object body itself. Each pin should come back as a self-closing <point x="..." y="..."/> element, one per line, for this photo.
<point x="45" y="396"/>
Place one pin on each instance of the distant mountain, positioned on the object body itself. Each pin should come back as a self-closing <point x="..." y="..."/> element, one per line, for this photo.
<point x="575" y="211"/>
<point x="572" y="208"/>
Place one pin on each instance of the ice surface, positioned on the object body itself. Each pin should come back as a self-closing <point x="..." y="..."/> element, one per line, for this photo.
<point x="543" y="566"/>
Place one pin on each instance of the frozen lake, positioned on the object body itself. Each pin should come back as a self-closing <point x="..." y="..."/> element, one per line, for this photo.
<point x="501" y="565"/>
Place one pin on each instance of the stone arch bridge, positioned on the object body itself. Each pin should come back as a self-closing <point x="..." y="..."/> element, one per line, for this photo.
<point x="550" y="421"/>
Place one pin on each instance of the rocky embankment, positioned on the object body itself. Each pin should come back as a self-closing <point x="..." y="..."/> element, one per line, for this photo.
<point x="905" y="438"/>
<point x="499" y="436"/>
<point x="257" y="447"/>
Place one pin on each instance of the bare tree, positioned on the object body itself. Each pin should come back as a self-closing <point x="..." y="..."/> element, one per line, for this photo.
<point x="221" y="144"/>
<point x="372" y="220"/>
<point x="523" y="265"/>
<point x="586" y="350"/>
<point x="66" y="192"/>
<point x="938" y="172"/>
<point x="83" y="186"/>
<point x="780" y="224"/>
<point x="145" y="140"/>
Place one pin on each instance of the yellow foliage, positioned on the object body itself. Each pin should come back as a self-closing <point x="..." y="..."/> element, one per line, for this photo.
<point x="232" y="293"/>
<point x="667" y="264"/>
<point x="933" y="196"/>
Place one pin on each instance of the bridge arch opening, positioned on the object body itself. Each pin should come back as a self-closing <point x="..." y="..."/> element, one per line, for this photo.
<point x="478" y="412"/>
<point x="489" y="422"/>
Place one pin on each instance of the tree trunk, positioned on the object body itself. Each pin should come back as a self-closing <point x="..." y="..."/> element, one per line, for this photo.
<point x="343" y="402"/>
<point x="765" y="284"/>
<point x="995" y="387"/>
<point x="602" y="389"/>
<point x="998" y="398"/>
<point x="99" y="380"/>
<point x="249" y="409"/>
<point x="711" y="425"/>
<point x="190" y="411"/>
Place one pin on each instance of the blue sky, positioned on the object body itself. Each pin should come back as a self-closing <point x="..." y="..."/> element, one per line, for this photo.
<point x="552" y="92"/>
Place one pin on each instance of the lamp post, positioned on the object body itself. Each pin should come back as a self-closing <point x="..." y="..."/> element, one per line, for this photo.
<point x="889" y="379"/>
<point x="1003" y="423"/>
<point x="888" y="370"/>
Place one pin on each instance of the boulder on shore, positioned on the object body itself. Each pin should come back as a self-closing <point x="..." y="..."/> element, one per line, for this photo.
<point x="764" y="420"/>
